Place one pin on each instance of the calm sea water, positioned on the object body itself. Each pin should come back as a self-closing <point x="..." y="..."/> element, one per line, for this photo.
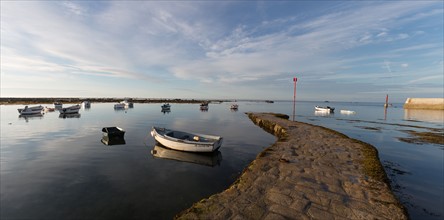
<point x="58" y="168"/>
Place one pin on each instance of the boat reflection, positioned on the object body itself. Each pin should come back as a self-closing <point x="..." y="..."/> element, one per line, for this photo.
<point x="207" y="159"/>
<point x="75" y="115"/>
<point x="113" y="140"/>
<point x="424" y="115"/>
<point x="34" y="116"/>
<point x="165" y="111"/>
<point x="322" y="113"/>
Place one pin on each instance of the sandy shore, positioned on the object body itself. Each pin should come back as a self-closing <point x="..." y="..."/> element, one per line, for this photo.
<point x="311" y="172"/>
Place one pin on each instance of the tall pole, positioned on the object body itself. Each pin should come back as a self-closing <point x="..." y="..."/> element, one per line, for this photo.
<point x="294" y="97"/>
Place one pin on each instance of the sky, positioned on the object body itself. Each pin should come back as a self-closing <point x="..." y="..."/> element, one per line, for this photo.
<point x="338" y="50"/>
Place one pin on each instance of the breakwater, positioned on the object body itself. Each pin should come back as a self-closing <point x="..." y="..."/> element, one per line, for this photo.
<point x="310" y="173"/>
<point x="424" y="103"/>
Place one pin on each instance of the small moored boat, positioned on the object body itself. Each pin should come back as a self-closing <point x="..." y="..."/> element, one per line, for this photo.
<point x="325" y="109"/>
<point x="113" y="132"/>
<point x="184" y="141"/>
<point x="113" y="136"/>
<point x="127" y="103"/>
<point x="30" y="110"/>
<point x="204" y="107"/>
<point x="234" y="106"/>
<point x="70" y="110"/>
<point x="58" y="105"/>
<point x="86" y="104"/>
<point x="120" y="106"/>
<point x="166" y="107"/>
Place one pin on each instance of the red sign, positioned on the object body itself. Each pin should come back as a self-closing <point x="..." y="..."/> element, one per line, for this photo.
<point x="295" y="79"/>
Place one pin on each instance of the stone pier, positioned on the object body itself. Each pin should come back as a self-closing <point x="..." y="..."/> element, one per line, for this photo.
<point x="424" y="103"/>
<point x="311" y="172"/>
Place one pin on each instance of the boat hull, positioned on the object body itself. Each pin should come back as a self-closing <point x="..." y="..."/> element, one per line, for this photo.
<point x="70" y="110"/>
<point x="30" y="110"/>
<point x="324" y="109"/>
<point x="204" y="143"/>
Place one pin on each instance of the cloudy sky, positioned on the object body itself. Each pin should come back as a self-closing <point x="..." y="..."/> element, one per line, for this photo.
<point x="339" y="51"/>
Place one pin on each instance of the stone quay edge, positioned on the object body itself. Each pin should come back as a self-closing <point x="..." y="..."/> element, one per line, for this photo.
<point x="311" y="172"/>
<point x="424" y="103"/>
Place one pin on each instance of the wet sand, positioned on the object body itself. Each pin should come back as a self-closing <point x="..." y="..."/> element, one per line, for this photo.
<point x="311" y="172"/>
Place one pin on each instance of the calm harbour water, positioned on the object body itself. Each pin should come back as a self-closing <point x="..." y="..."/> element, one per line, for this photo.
<point x="58" y="168"/>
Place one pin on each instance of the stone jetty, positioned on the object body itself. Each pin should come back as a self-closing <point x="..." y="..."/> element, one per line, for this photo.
<point x="311" y="172"/>
<point x="424" y="103"/>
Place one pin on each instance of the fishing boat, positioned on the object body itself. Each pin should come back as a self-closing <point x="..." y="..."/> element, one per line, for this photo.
<point x="166" y="107"/>
<point x="86" y="104"/>
<point x="207" y="159"/>
<point x="70" y="110"/>
<point x="127" y="103"/>
<point x="347" y="112"/>
<point x="185" y="141"/>
<point x="30" y="110"/>
<point x="113" y="136"/>
<point x="120" y="106"/>
<point x="58" y="105"/>
<point x="204" y="107"/>
<point x="234" y="106"/>
<point x="325" y="109"/>
<point x="113" y="132"/>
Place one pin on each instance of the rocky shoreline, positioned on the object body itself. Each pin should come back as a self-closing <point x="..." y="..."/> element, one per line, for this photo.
<point x="311" y="172"/>
<point x="28" y="101"/>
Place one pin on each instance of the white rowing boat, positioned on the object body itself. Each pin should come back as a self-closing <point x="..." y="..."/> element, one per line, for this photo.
<point x="185" y="141"/>
<point x="325" y="109"/>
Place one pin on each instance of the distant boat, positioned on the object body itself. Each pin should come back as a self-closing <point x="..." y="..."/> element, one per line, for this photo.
<point x="30" y="110"/>
<point x="86" y="104"/>
<point x="207" y="159"/>
<point x="119" y="106"/>
<point x="58" y="105"/>
<point x="325" y="109"/>
<point x="127" y="103"/>
<point x="166" y="107"/>
<point x="185" y="141"/>
<point x="269" y="101"/>
<point x="234" y="106"/>
<point x="347" y="112"/>
<point x="70" y="110"/>
<point x="204" y="106"/>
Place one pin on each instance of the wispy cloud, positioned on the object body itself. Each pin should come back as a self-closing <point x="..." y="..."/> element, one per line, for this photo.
<point x="158" y="41"/>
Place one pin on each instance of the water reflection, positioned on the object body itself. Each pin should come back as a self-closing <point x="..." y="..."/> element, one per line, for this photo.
<point x="424" y="115"/>
<point x="28" y="117"/>
<point x="207" y="159"/>
<point x="165" y="111"/>
<point x="322" y="113"/>
<point x="113" y="140"/>
<point x="76" y="115"/>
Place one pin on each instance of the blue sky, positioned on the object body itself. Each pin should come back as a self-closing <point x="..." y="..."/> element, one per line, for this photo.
<point x="340" y="51"/>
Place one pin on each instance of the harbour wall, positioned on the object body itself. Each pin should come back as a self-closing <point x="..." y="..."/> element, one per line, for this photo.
<point x="424" y="103"/>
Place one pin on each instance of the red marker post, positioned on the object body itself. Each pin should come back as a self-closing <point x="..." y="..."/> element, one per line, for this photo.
<point x="294" y="97"/>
